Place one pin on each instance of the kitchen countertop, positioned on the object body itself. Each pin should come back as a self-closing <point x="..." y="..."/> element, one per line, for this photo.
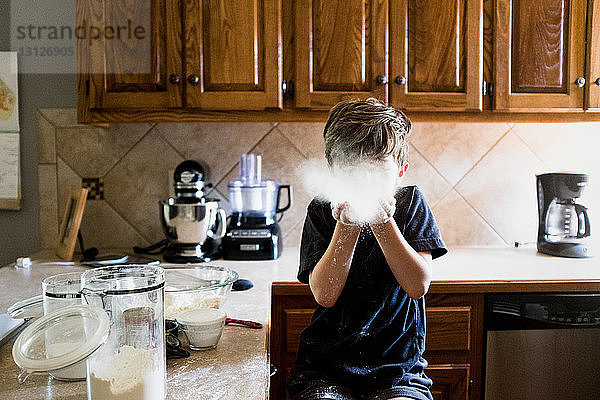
<point x="486" y="270"/>
<point x="238" y="368"/>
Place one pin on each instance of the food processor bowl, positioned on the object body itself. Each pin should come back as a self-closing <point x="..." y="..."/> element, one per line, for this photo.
<point x="258" y="199"/>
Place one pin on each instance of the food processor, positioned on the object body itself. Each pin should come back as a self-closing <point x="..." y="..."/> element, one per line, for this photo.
<point x="193" y="224"/>
<point x="253" y="232"/>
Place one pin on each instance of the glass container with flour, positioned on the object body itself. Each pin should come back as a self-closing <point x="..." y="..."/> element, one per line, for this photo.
<point x="131" y="363"/>
<point x="118" y="332"/>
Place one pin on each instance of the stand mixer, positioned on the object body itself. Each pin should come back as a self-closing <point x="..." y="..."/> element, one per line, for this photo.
<point x="193" y="224"/>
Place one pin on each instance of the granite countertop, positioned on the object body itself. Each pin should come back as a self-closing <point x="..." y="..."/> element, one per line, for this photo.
<point x="238" y="368"/>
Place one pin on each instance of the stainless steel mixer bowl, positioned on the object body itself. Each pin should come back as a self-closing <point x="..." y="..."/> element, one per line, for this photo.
<point x="192" y="223"/>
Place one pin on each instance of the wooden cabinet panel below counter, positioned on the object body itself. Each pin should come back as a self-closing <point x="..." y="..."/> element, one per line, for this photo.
<point x="453" y="347"/>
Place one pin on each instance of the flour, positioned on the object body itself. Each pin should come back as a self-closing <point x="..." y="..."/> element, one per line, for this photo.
<point x="73" y="372"/>
<point x="176" y="303"/>
<point x="362" y="185"/>
<point x="130" y="374"/>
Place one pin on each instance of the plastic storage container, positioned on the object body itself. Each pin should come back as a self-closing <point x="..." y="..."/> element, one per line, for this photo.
<point x="77" y="332"/>
<point x="60" y="291"/>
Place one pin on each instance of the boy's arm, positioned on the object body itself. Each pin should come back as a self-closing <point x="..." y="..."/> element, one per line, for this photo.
<point x="411" y="269"/>
<point x="328" y="277"/>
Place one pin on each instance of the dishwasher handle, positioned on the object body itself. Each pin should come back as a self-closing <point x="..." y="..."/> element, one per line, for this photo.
<point x="542" y="313"/>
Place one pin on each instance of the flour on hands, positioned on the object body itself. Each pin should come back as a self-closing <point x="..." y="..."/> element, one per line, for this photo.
<point x="361" y="193"/>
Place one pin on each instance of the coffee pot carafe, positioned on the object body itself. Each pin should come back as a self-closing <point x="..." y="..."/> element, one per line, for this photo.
<point x="566" y="221"/>
<point x="564" y="225"/>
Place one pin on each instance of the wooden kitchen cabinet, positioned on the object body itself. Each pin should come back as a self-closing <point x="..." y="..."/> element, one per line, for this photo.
<point x="188" y="54"/>
<point x="453" y="344"/>
<point x="450" y="382"/>
<point x="340" y="51"/>
<point x="435" y="58"/>
<point x="232" y="54"/>
<point x="436" y="54"/>
<point x="539" y="55"/>
<point x="129" y="68"/>
<point x="218" y="60"/>
<point x="292" y="306"/>
<point x="592" y="89"/>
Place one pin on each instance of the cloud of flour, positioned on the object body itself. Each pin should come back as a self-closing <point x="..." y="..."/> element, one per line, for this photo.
<point x="361" y="185"/>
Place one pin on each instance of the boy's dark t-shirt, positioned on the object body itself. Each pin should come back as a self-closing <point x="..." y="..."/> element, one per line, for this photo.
<point x="374" y="333"/>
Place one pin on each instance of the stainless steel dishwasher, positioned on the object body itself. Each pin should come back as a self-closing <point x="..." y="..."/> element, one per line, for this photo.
<point x="542" y="346"/>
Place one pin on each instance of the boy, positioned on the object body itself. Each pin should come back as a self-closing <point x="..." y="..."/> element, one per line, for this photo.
<point x="367" y="336"/>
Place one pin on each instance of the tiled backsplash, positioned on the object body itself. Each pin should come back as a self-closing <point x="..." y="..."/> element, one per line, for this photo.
<point x="479" y="178"/>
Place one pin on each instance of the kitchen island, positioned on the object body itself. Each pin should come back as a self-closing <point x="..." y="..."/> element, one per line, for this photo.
<point x="239" y="367"/>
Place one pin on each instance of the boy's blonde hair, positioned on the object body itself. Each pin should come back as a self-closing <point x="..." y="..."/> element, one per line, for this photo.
<point x="359" y="130"/>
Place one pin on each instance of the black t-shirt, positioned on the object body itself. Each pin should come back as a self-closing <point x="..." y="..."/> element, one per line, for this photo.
<point x="374" y="332"/>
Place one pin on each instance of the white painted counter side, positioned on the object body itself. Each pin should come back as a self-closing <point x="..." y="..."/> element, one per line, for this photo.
<point x="511" y="264"/>
<point x="239" y="368"/>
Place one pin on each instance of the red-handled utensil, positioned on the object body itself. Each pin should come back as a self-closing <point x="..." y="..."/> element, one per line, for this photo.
<point x="249" y="324"/>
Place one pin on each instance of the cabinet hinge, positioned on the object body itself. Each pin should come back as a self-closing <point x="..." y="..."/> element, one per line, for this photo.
<point x="487" y="88"/>
<point x="287" y="87"/>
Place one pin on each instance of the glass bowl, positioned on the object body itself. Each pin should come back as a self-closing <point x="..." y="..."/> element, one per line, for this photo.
<point x="196" y="286"/>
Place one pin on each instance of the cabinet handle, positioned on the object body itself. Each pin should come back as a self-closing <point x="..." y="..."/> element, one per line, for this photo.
<point x="597" y="82"/>
<point x="580" y="82"/>
<point x="400" y="80"/>
<point x="174" y="79"/>
<point x="193" y="79"/>
<point x="381" y="79"/>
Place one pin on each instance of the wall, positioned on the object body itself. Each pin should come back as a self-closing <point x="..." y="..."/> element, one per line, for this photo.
<point x="479" y="178"/>
<point x="19" y="235"/>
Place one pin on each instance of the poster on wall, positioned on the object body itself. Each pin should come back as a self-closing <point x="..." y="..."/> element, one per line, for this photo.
<point x="10" y="190"/>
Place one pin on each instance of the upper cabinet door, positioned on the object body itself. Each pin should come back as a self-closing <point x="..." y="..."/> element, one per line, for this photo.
<point x="592" y="102"/>
<point x="539" y="50"/>
<point x="341" y="51"/>
<point x="130" y="61"/>
<point x="233" y="54"/>
<point x="436" y="54"/>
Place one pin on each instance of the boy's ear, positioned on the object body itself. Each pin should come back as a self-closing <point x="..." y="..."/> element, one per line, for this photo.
<point x="403" y="170"/>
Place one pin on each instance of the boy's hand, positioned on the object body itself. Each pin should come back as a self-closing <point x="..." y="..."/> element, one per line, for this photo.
<point x="341" y="212"/>
<point x="385" y="211"/>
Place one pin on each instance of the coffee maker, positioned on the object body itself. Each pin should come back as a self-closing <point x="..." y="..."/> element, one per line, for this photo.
<point x="193" y="224"/>
<point x="253" y="232"/>
<point x="564" y="224"/>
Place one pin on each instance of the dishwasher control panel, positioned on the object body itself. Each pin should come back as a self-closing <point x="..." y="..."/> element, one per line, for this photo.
<point x="571" y="310"/>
